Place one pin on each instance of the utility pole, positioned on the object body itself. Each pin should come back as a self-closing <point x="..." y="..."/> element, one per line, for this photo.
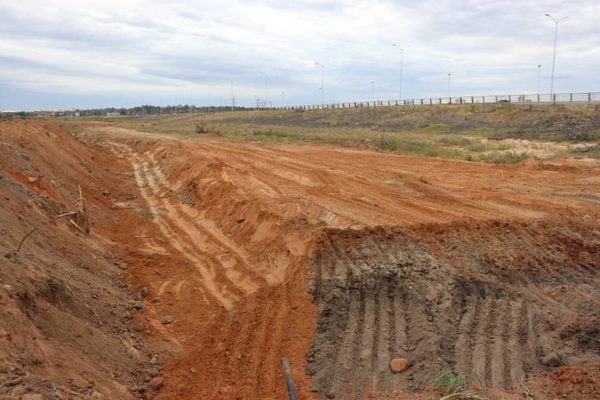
<point x="322" y="82"/>
<point x="373" y="91"/>
<point x="556" y="21"/>
<point x="539" y="77"/>
<point x="401" y="69"/>
<point x="449" y="75"/>
<point x="266" y="91"/>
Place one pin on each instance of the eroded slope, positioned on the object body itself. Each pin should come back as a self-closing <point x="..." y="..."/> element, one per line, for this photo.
<point x="484" y="269"/>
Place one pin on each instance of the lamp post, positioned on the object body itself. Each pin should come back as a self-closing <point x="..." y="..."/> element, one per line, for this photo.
<point x="322" y="82"/>
<point x="539" y="77"/>
<point x="556" y="21"/>
<point x="266" y="89"/>
<point x="373" y="91"/>
<point x="449" y="75"/>
<point x="401" y="68"/>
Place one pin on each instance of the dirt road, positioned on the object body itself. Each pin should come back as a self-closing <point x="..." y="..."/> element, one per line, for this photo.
<point x="341" y="260"/>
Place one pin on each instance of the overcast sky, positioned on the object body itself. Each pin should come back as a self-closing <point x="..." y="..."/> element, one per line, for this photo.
<point x="62" y="54"/>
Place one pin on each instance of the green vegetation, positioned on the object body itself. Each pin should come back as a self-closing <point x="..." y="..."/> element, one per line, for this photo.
<point x="453" y="386"/>
<point x="492" y="133"/>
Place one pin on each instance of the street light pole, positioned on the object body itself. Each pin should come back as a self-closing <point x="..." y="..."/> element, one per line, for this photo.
<point x="539" y="77"/>
<point x="266" y="89"/>
<point x="322" y="82"/>
<point x="401" y="68"/>
<point x="556" y="21"/>
<point x="449" y="74"/>
<point x="373" y="91"/>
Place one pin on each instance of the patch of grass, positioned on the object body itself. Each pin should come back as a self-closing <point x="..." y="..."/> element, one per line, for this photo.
<point x="456" y="141"/>
<point x="453" y="386"/>
<point x="501" y="157"/>
<point x="449" y="382"/>
<point x="438" y="128"/>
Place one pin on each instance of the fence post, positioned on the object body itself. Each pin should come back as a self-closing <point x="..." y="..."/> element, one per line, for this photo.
<point x="589" y="96"/>
<point x="571" y="97"/>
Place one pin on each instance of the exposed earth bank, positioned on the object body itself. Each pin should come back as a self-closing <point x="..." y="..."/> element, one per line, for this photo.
<point x="207" y="261"/>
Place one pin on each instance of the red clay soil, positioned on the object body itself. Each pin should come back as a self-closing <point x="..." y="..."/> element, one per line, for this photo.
<point x="65" y="312"/>
<point x="216" y="241"/>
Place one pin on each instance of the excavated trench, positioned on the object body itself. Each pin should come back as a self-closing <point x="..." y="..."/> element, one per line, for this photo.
<point x="257" y="253"/>
<point x="385" y="296"/>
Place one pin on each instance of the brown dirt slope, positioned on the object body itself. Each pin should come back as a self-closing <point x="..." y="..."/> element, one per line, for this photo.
<point x="65" y="327"/>
<point x="335" y="259"/>
<point x="489" y="270"/>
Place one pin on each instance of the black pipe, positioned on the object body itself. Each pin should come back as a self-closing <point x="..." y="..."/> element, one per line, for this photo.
<point x="289" y="379"/>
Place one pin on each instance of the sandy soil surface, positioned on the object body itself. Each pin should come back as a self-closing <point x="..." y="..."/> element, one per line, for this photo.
<point x="237" y="255"/>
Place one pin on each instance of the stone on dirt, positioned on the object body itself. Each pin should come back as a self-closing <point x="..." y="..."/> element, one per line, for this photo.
<point x="398" y="365"/>
<point x="167" y="319"/>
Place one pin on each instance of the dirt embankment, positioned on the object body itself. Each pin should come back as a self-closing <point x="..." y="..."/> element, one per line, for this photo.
<point x="66" y="326"/>
<point x="335" y="259"/>
<point x="483" y="269"/>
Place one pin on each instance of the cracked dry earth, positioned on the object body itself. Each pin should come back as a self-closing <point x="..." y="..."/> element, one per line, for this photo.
<point x="342" y="260"/>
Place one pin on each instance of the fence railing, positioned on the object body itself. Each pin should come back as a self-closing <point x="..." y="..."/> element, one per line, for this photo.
<point x="507" y="98"/>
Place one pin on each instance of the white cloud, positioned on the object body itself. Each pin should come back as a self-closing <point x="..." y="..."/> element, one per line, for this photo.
<point x="63" y="53"/>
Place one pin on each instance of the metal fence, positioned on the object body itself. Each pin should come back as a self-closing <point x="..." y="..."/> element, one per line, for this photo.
<point x="508" y="98"/>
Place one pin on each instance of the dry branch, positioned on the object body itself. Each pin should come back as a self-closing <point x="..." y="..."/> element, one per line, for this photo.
<point x="66" y="214"/>
<point x="23" y="240"/>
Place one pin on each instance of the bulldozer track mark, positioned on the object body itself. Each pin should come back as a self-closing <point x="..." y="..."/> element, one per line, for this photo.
<point x="383" y="339"/>
<point x="349" y="344"/>
<point x="515" y="340"/>
<point x="208" y="237"/>
<point x="464" y="344"/>
<point x="176" y="230"/>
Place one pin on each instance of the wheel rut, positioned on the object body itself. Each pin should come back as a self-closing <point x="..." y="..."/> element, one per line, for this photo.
<point x="393" y="298"/>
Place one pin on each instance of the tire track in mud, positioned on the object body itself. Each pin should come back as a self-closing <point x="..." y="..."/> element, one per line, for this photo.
<point x="369" y="317"/>
<point x="212" y="250"/>
<point x="225" y="286"/>
<point x="255" y="330"/>
<point x="215" y="242"/>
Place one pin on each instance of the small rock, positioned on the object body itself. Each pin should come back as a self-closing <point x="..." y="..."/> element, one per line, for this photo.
<point x="156" y="300"/>
<point x="552" y="360"/>
<point x="156" y="383"/>
<point x="153" y="372"/>
<point x="144" y="292"/>
<point x="167" y="319"/>
<point x="330" y="395"/>
<point x="398" y="365"/>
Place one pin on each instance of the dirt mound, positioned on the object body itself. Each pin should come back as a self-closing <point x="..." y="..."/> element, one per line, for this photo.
<point x="66" y="327"/>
